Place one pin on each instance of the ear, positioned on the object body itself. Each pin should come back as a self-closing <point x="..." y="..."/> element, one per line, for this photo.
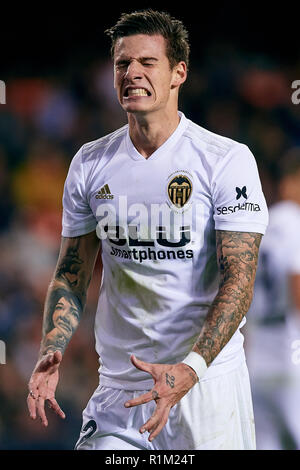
<point x="179" y="74"/>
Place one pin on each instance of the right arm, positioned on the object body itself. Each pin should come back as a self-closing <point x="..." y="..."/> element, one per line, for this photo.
<point x="64" y="306"/>
<point x="67" y="291"/>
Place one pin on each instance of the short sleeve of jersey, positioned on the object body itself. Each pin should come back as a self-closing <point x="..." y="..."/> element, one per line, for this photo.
<point x="78" y="218"/>
<point x="239" y="203"/>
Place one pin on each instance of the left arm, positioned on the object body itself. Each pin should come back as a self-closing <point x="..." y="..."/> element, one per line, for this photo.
<point x="237" y="254"/>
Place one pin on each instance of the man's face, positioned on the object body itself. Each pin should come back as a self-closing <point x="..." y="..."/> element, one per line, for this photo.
<point x="142" y="74"/>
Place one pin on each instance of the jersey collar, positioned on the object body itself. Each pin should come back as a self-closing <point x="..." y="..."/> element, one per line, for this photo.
<point x="165" y="147"/>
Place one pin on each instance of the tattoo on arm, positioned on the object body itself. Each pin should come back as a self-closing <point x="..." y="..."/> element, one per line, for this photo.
<point x="193" y="378"/>
<point x="65" y="299"/>
<point x="237" y="254"/>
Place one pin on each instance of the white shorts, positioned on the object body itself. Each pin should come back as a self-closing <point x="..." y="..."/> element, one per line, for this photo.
<point x="215" y="414"/>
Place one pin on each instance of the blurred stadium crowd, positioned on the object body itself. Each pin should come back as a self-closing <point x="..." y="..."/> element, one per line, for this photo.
<point x="42" y="125"/>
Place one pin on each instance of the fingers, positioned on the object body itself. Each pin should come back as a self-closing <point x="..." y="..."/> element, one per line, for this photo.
<point x="36" y="407"/>
<point x="56" y="408"/>
<point x="145" y="366"/>
<point x="31" y="406"/>
<point x="155" y="424"/>
<point x="40" y="404"/>
<point x="33" y="389"/>
<point x="145" y="398"/>
<point x="42" y="387"/>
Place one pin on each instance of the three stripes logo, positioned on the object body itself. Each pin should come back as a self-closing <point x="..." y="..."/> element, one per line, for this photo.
<point x="104" y="193"/>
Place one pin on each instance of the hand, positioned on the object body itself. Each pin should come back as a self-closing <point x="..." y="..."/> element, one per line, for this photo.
<point x="42" y="386"/>
<point x="171" y="383"/>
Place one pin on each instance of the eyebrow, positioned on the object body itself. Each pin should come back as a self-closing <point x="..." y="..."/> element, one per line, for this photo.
<point x="149" y="58"/>
<point x="141" y="59"/>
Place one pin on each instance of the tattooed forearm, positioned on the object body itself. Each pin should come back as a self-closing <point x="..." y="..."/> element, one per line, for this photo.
<point x="192" y="374"/>
<point x="237" y="254"/>
<point x="66" y="295"/>
<point x="69" y="266"/>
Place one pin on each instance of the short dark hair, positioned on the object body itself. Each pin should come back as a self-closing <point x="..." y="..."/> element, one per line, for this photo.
<point x="153" y="22"/>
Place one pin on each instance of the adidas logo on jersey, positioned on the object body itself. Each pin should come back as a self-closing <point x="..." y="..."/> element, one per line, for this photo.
<point x="104" y="193"/>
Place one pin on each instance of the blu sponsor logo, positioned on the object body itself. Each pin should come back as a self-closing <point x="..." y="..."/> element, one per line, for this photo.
<point x="151" y="232"/>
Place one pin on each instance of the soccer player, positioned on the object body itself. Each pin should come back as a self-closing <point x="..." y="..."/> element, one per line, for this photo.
<point x="178" y="213"/>
<point x="273" y="339"/>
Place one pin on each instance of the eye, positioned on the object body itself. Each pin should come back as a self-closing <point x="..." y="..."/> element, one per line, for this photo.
<point x="121" y="65"/>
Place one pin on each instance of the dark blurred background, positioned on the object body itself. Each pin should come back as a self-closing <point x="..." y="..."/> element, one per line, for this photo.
<point x="59" y="94"/>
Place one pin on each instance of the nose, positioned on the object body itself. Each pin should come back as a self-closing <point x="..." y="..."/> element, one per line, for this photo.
<point x="133" y="71"/>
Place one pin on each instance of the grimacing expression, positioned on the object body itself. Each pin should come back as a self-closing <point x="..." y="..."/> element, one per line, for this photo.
<point x="143" y="77"/>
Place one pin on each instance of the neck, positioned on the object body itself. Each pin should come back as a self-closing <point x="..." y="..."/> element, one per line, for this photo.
<point x="149" y="132"/>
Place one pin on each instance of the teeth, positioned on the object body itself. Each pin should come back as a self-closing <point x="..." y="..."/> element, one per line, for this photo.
<point x="137" y="92"/>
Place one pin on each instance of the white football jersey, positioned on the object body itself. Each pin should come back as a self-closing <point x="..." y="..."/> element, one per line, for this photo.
<point x="157" y="218"/>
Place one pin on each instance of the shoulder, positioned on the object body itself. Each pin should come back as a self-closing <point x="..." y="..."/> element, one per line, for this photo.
<point x="89" y="156"/>
<point x="218" y="152"/>
<point x="209" y="142"/>
<point x="97" y="147"/>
